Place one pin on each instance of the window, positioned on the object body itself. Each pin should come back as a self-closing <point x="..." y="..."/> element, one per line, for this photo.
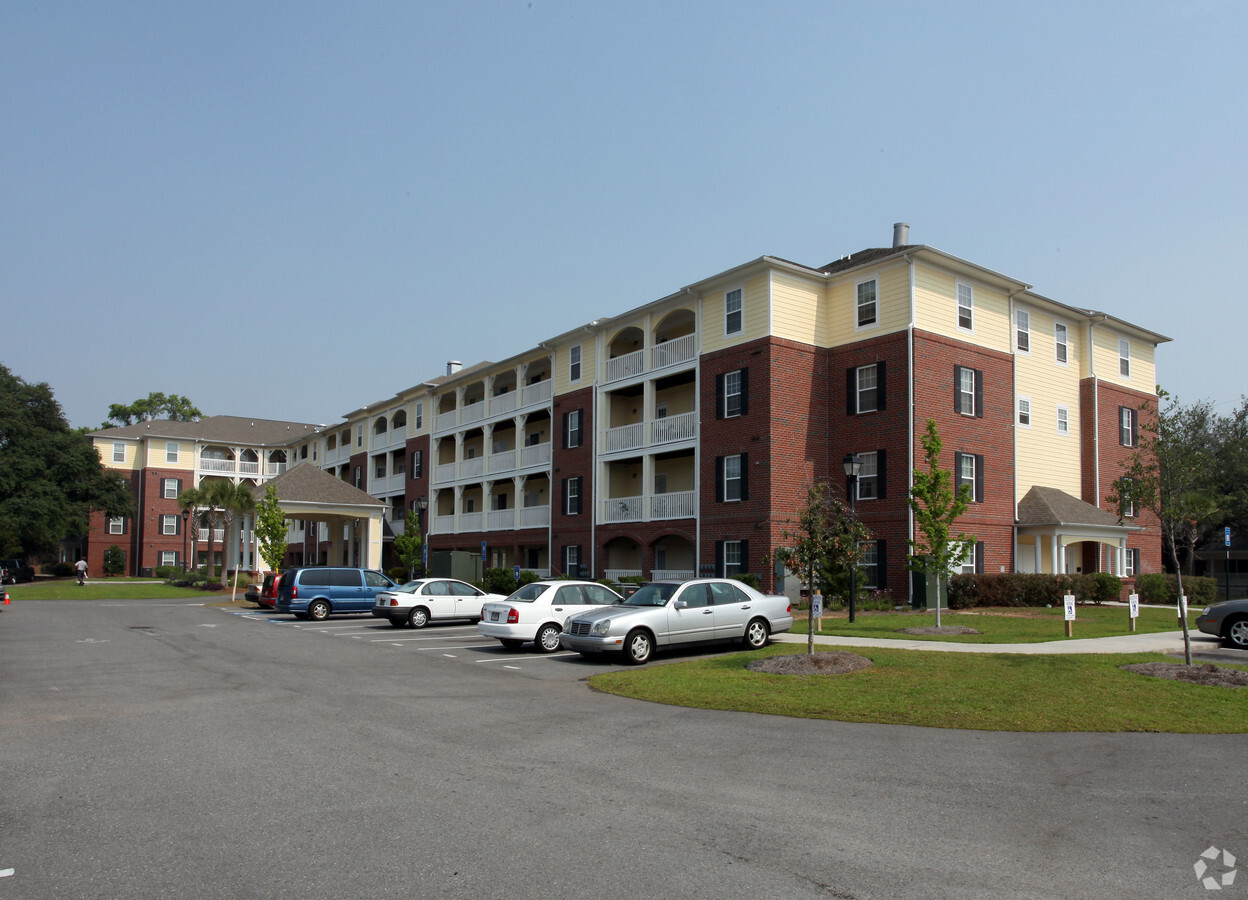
<point x="572" y="429"/>
<point x="968" y="386"/>
<point x="1024" y="412"/>
<point x="572" y="560"/>
<point x="731" y="394"/>
<point x="969" y="469"/>
<point x="1124" y="357"/>
<point x="1063" y="420"/>
<point x="1131" y="562"/>
<point x="972" y="559"/>
<point x="864" y="389"/>
<point x="418" y="463"/>
<point x="660" y="487"/>
<point x="660" y="410"/>
<point x="116" y="525"/>
<point x="170" y="488"/>
<point x="498" y="501"/>
<point x="420" y="413"/>
<point x="1061" y="343"/>
<point x="1022" y="330"/>
<point x="359" y="435"/>
<point x="870" y="566"/>
<point x="572" y="496"/>
<point x="733" y="312"/>
<point x="966" y="307"/>
<point x="1128" y="426"/>
<point x="867" y="312"/>
<point x="871" y="475"/>
<point x="730" y="477"/>
<point x="168" y="557"/>
<point x="379" y="467"/>
<point x="171" y="451"/>
<point x="1126" y="502"/>
<point x="357" y="476"/>
<point x="574" y="363"/>
<point x="168" y="524"/>
<point x="660" y="556"/>
<point x="119" y="452"/>
<point x="470" y="504"/>
<point x="732" y="559"/>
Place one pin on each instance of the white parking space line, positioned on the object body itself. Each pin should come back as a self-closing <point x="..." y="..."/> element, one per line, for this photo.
<point x="533" y="658"/>
<point x="423" y="637"/>
<point x="517" y="668"/>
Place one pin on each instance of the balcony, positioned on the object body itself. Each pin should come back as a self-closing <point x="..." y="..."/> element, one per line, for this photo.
<point x="218" y="535"/>
<point x="671" y="574"/>
<point x="622" y="509"/>
<point x="216" y="465"/>
<point x="446" y="421"/>
<point x="472" y="412"/>
<point x="619" y="574"/>
<point x="248" y="468"/>
<point x="503" y="403"/>
<point x="682" y="427"/>
<point x="626" y="437"/>
<point x="626" y="366"/>
<point x="501" y="520"/>
<point x="538" y="392"/>
<point x="676" y="505"/>
<point x="274" y="468"/>
<point x="535" y="455"/>
<point x="503" y="461"/>
<point x="535" y="517"/>
<point x="494" y="520"/>
<point x="443" y="473"/>
<point x="674" y="352"/>
<point x="383" y="484"/>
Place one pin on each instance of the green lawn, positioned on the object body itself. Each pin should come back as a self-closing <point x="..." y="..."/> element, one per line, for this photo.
<point x="983" y="691"/>
<point x="103" y="589"/>
<point x="1007" y="626"/>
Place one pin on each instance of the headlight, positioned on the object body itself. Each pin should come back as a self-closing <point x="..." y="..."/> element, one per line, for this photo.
<point x="602" y="626"/>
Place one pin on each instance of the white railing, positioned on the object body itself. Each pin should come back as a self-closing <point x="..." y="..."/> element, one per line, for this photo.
<point x="471" y="521"/>
<point x="626" y="366"/>
<point x="249" y="468"/>
<point x="622" y="509"/>
<point x="446" y="421"/>
<point x="503" y="461"/>
<point x="472" y="412"/>
<point x="502" y="403"/>
<point x="393" y="438"/>
<point x="216" y="465"/>
<point x="540" y="571"/>
<point x="535" y="455"/>
<point x="387" y="484"/>
<point x="535" y="517"/>
<point x="682" y="427"/>
<point x="617" y="574"/>
<point x="501" y="520"/>
<point x="677" y="350"/>
<point x="676" y="505"/>
<point x="218" y="535"/>
<point x="443" y="473"/>
<point x="271" y="469"/>
<point x="539" y="392"/>
<point x="443" y="524"/>
<point x="671" y="574"/>
<point x="470" y="468"/>
<point x="626" y="437"/>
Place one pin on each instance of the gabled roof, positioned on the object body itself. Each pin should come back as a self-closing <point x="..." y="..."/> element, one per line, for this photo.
<point x="1050" y="506"/>
<point x="862" y="257"/>
<point x="218" y="429"/>
<point x="306" y="483"/>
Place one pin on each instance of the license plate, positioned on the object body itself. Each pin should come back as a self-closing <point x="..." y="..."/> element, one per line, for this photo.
<point x="493" y="617"/>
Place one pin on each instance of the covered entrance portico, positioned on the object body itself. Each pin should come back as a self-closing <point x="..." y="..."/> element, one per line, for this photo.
<point x="1060" y="534"/>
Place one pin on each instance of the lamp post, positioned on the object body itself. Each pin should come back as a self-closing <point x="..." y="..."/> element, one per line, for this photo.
<point x="186" y="514"/>
<point x="853" y="465"/>
<point x="422" y="504"/>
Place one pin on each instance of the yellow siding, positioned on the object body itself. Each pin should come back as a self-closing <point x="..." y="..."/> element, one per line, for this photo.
<point x="755" y="314"/>
<point x="1044" y="456"/>
<point x="104" y="446"/>
<point x="679" y="399"/>
<point x="589" y="364"/>
<point x="798" y="309"/>
<point x="1105" y="358"/>
<point x="155" y="454"/>
<point x="936" y="309"/>
<point x="892" y="305"/>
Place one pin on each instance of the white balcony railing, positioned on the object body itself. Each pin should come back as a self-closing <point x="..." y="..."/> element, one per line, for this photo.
<point x="501" y="520"/>
<point x="472" y="412"/>
<point x="446" y="421"/>
<point x="387" y="484"/>
<point x="218" y="535"/>
<point x="626" y="437"/>
<point x="471" y="468"/>
<point x="216" y="465"/>
<point x="539" y="392"/>
<point x="682" y="427"/>
<point x="248" y="468"/>
<point x="274" y="468"/>
<point x="626" y="366"/>
<point x="471" y="521"/>
<point x="503" y="461"/>
<point x="617" y="574"/>
<point x="677" y="350"/>
<point x="676" y="505"/>
<point x="622" y="509"/>
<point x="443" y="524"/>
<point x="671" y="574"/>
<point x="444" y="473"/>
<point x="502" y="403"/>
<point x="535" y="455"/>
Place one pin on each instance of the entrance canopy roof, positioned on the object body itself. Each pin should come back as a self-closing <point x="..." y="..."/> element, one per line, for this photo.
<point x="308" y="492"/>
<point x="1047" y="510"/>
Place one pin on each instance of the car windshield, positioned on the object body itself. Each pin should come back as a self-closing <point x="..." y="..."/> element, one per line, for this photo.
<point x="410" y="588"/>
<point x="528" y="593"/>
<point x="656" y="594"/>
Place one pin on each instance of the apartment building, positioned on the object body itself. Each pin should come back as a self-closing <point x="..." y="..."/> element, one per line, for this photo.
<point x="679" y="438"/>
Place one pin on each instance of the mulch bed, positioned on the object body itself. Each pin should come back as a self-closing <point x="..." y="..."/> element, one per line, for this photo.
<point x="836" y="662"/>
<point x="943" y="629"/>
<point x="1207" y="673"/>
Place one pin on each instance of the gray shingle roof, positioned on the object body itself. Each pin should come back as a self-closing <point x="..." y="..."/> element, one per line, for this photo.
<point x="862" y="257"/>
<point x="1050" y="506"/>
<point x="306" y="483"/>
<point x="219" y="429"/>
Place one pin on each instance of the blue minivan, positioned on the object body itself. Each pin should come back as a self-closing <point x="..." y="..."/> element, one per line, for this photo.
<point x="319" y="591"/>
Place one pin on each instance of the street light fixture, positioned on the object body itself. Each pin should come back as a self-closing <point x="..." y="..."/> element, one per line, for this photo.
<point x="853" y="466"/>
<point x="422" y="504"/>
<point x="186" y="514"/>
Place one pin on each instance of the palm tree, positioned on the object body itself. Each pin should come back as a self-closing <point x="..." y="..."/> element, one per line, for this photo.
<point x="232" y="499"/>
<point x="190" y="500"/>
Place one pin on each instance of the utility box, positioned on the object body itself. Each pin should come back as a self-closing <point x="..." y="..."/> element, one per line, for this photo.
<point x="461" y="564"/>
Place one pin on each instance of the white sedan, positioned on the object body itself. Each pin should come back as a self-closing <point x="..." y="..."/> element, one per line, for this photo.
<point x="419" y="602"/>
<point x="537" y="612"/>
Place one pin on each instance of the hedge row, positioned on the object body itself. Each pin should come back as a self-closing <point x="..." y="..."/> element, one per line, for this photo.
<point x="1158" y="588"/>
<point x="1017" y="589"/>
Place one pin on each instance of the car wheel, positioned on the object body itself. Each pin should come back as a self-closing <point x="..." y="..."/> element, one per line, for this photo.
<point x="756" y="634"/>
<point x="1236" y="633"/>
<point x="547" y="640"/>
<point x="397" y="622"/>
<point x="637" y="647"/>
<point x="510" y="643"/>
<point x="418" y="617"/>
<point x="318" y="610"/>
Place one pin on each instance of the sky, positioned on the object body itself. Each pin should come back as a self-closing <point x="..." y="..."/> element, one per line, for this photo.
<point x="289" y="210"/>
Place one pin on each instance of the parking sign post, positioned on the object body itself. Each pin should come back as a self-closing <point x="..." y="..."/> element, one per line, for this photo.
<point x="1069" y="603"/>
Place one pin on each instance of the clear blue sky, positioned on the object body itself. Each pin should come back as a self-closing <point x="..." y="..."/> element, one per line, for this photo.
<point x="289" y="210"/>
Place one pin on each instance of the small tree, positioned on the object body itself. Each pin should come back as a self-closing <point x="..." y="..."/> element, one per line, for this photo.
<point x="189" y="501"/>
<point x="271" y="529"/>
<point x="936" y="506"/>
<point x="409" y="544"/>
<point x="233" y="500"/>
<point x="114" y="560"/>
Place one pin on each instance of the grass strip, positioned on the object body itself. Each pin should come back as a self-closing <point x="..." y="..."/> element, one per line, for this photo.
<point x="105" y="590"/>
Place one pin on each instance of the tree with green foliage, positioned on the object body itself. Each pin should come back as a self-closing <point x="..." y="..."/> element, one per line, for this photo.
<point x="154" y="406"/>
<point x="51" y="476"/>
<point x="271" y="529"/>
<point x="409" y="545"/>
<point x="824" y="541"/>
<point x="114" y="560"/>
<point x="190" y="500"/>
<point x="936" y="507"/>
<point x="231" y="499"/>
<point x="1170" y="474"/>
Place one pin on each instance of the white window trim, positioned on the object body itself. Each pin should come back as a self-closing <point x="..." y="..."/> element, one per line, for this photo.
<point x="171" y="447"/>
<point x="736" y="565"/>
<point x="874" y="477"/>
<point x="1018" y="413"/>
<point x="1124" y="356"/>
<point x="857" y="284"/>
<point x="736" y="499"/>
<point x="579" y="362"/>
<point x="1065" y="343"/>
<point x="957" y="296"/>
<point x="1025" y="314"/>
<point x="119" y="522"/>
<point x="858" y="389"/>
<point x="740" y="289"/>
<point x="728" y="414"/>
<point x="164" y="488"/>
<point x="962" y="394"/>
<point x="420" y="414"/>
<point x="166" y="521"/>
<point x="117" y="445"/>
<point x="1058" y="421"/>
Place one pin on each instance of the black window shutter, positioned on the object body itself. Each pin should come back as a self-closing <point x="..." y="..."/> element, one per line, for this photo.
<point x="745" y="556"/>
<point x="719" y="479"/>
<point x="745" y="476"/>
<point x="719" y="558"/>
<point x="719" y="396"/>
<point x="1135" y="428"/>
<point x="979" y="393"/>
<point x="745" y="391"/>
<point x="563" y="558"/>
<point x="957" y="389"/>
<point x="580" y="561"/>
<point x="580" y="426"/>
<point x="979" y="478"/>
<point x="179" y="487"/>
<point x="851" y="391"/>
<point x="580" y="494"/>
<point x="881" y="570"/>
<point x="563" y="496"/>
<point x="979" y="557"/>
<point x="879" y="385"/>
<point x="565" y="430"/>
<point x="957" y="473"/>
<point x="881" y="474"/>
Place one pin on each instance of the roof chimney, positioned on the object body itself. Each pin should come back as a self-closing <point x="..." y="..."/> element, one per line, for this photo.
<point x="453" y="366"/>
<point x="901" y="234"/>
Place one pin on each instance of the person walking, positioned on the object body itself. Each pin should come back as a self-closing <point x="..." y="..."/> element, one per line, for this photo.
<point x="81" y="566"/>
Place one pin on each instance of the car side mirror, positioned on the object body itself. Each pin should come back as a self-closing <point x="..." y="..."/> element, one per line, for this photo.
<point x="680" y="604"/>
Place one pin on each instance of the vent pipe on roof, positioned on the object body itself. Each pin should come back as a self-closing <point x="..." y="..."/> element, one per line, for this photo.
<point x="901" y="234"/>
<point x="453" y="366"/>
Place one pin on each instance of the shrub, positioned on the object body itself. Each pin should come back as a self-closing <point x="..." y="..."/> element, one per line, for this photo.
<point x="1024" y="589"/>
<point x="747" y="578"/>
<point x="1103" y="587"/>
<point x="62" y="570"/>
<point x="1155" y="587"/>
<point x="498" y="581"/>
<point x="212" y="586"/>
<point x="114" y="560"/>
<point x="398" y="574"/>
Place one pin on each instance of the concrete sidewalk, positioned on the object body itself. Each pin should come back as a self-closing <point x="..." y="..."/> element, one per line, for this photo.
<point x="1161" y="642"/>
